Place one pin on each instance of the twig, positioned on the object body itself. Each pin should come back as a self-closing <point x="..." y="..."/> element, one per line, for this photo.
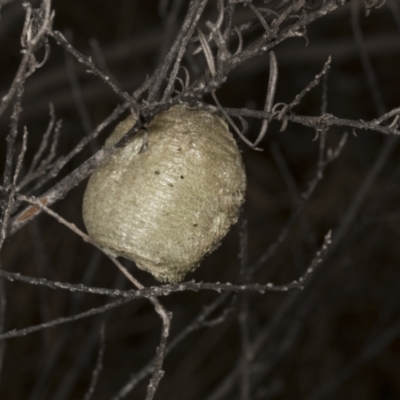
<point x="321" y="122"/>
<point x="11" y="176"/>
<point x="11" y="138"/>
<point x="293" y="8"/>
<point x="42" y="265"/>
<point x="98" y="367"/>
<point x="260" y="46"/>
<point x="62" y="41"/>
<point x="197" y="323"/>
<point x="323" y="132"/>
<point x="181" y="52"/>
<point x="81" y="359"/>
<point x="101" y="60"/>
<point x="263" y="22"/>
<point x="312" y="185"/>
<point x="194" y="12"/>
<point x="170" y="20"/>
<point x="288" y="107"/>
<point x="44" y="141"/>
<point x="294" y="192"/>
<point x="166" y="317"/>
<point x="217" y="24"/>
<point x="32" y="41"/>
<point x="63" y="320"/>
<point x="243" y="315"/>
<point x="74" y="288"/>
<point x="155" y="291"/>
<point x="81" y="108"/>
<point x="365" y="59"/>
<point x="71" y="180"/>
<point x="62" y="161"/>
<point x="64" y="336"/>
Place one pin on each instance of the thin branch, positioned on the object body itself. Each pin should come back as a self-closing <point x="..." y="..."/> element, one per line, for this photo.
<point x="243" y="316"/>
<point x="365" y="59"/>
<point x="263" y="22"/>
<point x="261" y="46"/>
<point x="63" y="42"/>
<point x="321" y="122"/>
<point x="20" y="158"/>
<point x="170" y="24"/>
<point x="166" y="317"/>
<point x="64" y="335"/>
<point x="32" y="41"/>
<point x="11" y="176"/>
<point x="74" y="288"/>
<point x="81" y="107"/>
<point x="315" y="82"/>
<point x="153" y="291"/>
<point x="63" y="320"/>
<point x="218" y="24"/>
<point x="285" y="14"/>
<point x="195" y="10"/>
<point x="312" y="185"/>
<point x="11" y="139"/>
<point x="98" y="367"/>
<point x="62" y="161"/>
<point x="42" y="266"/>
<point x="393" y="113"/>
<point x="74" y="178"/>
<point x="44" y="141"/>
<point x="181" y="52"/>
<point x="45" y="164"/>
<point x="295" y="194"/>
<point x="197" y="323"/>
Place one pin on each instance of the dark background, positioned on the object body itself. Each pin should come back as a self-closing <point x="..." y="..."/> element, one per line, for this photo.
<point x="342" y="325"/>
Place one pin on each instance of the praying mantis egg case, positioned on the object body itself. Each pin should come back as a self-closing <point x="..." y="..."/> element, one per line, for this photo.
<point x="169" y="206"/>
